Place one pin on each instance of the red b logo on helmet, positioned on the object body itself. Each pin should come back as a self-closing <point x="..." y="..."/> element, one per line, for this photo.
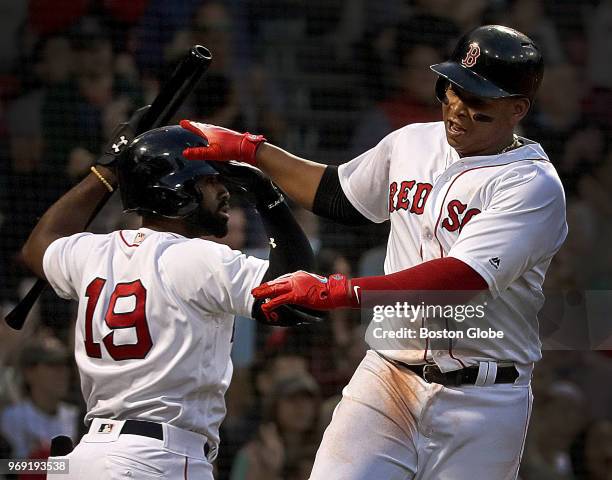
<point x="471" y="56"/>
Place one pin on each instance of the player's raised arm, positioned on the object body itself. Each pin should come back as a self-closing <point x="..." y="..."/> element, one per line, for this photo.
<point x="75" y="210"/>
<point x="298" y="177"/>
<point x="289" y="247"/>
<point x="69" y="215"/>
<point x="313" y="185"/>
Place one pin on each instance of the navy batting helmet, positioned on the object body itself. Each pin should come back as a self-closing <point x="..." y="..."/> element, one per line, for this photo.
<point x="493" y="61"/>
<point x="154" y="177"/>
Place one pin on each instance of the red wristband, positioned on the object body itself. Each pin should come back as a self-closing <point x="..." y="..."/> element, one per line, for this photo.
<point x="248" y="147"/>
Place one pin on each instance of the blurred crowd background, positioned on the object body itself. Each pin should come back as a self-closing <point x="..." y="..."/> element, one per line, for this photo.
<point x="326" y="79"/>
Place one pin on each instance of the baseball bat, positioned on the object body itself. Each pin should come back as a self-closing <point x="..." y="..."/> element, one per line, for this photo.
<point x="170" y="97"/>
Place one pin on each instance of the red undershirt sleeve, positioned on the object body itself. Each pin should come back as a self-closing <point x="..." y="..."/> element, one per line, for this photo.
<point x="439" y="274"/>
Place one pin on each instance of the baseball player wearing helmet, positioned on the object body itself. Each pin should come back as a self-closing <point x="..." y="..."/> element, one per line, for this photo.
<point x="472" y="207"/>
<point x="156" y="305"/>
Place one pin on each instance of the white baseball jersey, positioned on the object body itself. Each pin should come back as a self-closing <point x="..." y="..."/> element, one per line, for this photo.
<point x="155" y="322"/>
<point x="503" y="215"/>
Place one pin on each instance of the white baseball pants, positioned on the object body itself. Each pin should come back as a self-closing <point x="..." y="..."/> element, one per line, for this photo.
<point x="392" y="425"/>
<point x="109" y="455"/>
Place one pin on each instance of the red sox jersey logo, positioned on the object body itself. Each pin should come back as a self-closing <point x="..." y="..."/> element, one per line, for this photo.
<point x="408" y="194"/>
<point x="411" y="196"/>
<point x="471" y="56"/>
<point x="454" y="221"/>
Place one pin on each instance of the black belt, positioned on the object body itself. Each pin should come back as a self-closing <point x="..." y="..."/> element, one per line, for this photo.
<point x="464" y="376"/>
<point x="148" y="429"/>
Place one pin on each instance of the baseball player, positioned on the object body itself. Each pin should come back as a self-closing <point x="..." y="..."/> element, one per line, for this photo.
<point x="472" y="207"/>
<point x="156" y="305"/>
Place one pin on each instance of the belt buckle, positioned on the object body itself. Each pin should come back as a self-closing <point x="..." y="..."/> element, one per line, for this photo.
<point x="426" y="375"/>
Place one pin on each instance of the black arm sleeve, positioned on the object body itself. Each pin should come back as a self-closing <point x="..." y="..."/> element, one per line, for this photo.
<point x="330" y="201"/>
<point x="290" y="251"/>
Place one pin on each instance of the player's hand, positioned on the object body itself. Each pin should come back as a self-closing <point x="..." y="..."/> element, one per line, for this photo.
<point x="250" y="180"/>
<point x="223" y="144"/>
<point x="306" y="290"/>
<point x="122" y="136"/>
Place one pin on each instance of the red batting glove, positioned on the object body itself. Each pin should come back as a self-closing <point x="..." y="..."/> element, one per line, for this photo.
<point x="306" y="290"/>
<point x="223" y="144"/>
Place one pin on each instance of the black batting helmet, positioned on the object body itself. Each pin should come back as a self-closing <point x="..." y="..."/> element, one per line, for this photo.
<point x="493" y="61"/>
<point x="154" y="177"/>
